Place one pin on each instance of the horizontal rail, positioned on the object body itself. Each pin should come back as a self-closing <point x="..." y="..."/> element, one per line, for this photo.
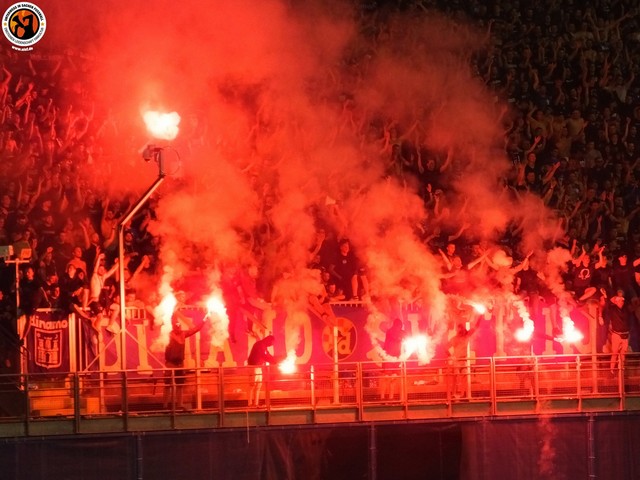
<point x="90" y="402"/>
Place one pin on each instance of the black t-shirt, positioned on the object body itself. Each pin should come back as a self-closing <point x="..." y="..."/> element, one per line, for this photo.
<point x="346" y="265"/>
<point x="174" y="353"/>
<point x="29" y="292"/>
<point x="259" y="354"/>
<point x="601" y="277"/>
<point x="623" y="276"/>
<point x="68" y="286"/>
<point x="393" y="341"/>
<point x="582" y="278"/>
<point x="618" y="318"/>
<point x="529" y="281"/>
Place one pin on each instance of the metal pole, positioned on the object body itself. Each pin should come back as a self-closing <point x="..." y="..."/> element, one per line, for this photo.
<point x="591" y="449"/>
<point x="312" y="378"/>
<point x="139" y="458"/>
<point x="73" y="359"/>
<point x="468" y="364"/>
<point x="198" y="405"/>
<point x="17" y="262"/>
<point x="123" y="326"/>
<point x="21" y="329"/>
<point x="373" y="453"/>
<point x="126" y="219"/>
<point x="336" y="386"/>
<point x="492" y="384"/>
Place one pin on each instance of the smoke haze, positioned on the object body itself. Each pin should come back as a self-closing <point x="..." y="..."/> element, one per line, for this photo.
<point x="282" y="107"/>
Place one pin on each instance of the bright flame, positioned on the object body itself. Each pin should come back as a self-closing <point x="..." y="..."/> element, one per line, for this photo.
<point x="166" y="307"/>
<point x="288" y="365"/>
<point x="480" y="308"/>
<point x="218" y="319"/>
<point x="525" y="333"/>
<point x="163" y="313"/>
<point x="415" y="344"/>
<point x="421" y="345"/>
<point x="570" y="333"/>
<point x="216" y="305"/>
<point x="163" y="126"/>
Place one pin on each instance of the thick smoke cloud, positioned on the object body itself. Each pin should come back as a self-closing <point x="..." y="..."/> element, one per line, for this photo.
<point x="282" y="105"/>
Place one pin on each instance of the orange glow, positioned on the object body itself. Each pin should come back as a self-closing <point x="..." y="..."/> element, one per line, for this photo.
<point x="166" y="307"/>
<point x="218" y="318"/>
<point x="415" y="344"/>
<point x="216" y="305"/>
<point x="163" y="126"/>
<point x="480" y="308"/>
<point x="163" y="313"/>
<point x="570" y="334"/>
<point x="421" y="346"/>
<point x="525" y="333"/>
<point x="288" y="365"/>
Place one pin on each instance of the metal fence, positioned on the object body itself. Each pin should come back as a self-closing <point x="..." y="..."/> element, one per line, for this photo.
<point x="36" y="404"/>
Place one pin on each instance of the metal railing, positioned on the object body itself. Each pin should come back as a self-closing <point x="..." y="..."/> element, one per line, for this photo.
<point x="349" y="392"/>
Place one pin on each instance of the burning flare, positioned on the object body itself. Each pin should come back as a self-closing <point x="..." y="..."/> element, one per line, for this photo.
<point x="288" y="365"/>
<point x="163" y="126"/>
<point x="480" y="308"/>
<point x="414" y="344"/>
<point x="164" y="310"/>
<point x="163" y="313"/>
<point x="216" y="305"/>
<point x="218" y="319"/>
<point x="421" y="346"/>
<point x="525" y="333"/>
<point x="570" y="334"/>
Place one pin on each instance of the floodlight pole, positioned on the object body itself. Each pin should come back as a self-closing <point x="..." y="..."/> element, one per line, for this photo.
<point x="17" y="261"/>
<point x="157" y="155"/>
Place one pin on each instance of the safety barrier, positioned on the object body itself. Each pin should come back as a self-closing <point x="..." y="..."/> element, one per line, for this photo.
<point x="82" y="402"/>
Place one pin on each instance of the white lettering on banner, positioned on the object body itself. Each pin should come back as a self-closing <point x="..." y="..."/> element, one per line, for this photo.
<point x="212" y="359"/>
<point x="296" y="325"/>
<point x="141" y="341"/>
<point x="300" y="328"/>
<point x="190" y="351"/>
<point x="374" y="331"/>
<point x="115" y="341"/>
<point x="37" y="322"/>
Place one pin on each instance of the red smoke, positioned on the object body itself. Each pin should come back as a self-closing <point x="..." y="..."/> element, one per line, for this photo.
<point x="279" y="108"/>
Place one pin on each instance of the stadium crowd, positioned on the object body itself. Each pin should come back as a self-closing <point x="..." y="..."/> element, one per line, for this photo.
<point x="566" y="73"/>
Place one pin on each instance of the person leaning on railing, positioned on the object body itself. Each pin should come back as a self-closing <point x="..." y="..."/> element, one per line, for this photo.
<point x="258" y="357"/>
<point x="393" y="340"/>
